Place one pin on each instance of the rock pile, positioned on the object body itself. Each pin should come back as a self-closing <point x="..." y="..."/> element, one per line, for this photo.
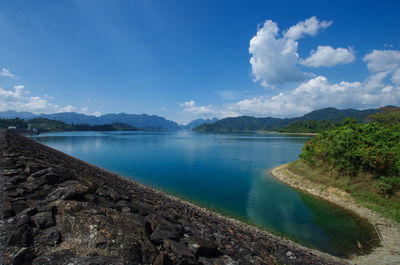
<point x="56" y="209"/>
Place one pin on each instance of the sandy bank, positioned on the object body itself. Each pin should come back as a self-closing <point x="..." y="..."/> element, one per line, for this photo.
<point x="388" y="231"/>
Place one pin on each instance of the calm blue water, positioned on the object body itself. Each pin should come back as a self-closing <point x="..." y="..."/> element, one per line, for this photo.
<point x="226" y="172"/>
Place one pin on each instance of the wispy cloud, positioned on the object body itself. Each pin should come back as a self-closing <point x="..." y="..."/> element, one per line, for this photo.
<point x="6" y="73"/>
<point x="19" y="99"/>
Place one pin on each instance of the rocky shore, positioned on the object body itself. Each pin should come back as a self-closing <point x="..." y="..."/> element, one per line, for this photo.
<point x="388" y="231"/>
<point x="56" y="209"/>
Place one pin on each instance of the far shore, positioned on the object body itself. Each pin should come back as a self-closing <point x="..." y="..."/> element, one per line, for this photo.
<point x="297" y="133"/>
<point x="387" y="230"/>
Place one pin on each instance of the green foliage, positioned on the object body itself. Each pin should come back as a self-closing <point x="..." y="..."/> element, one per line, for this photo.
<point x="246" y="123"/>
<point x="243" y="123"/>
<point x="387" y="185"/>
<point x="119" y="126"/>
<point x="19" y="123"/>
<point x="47" y="125"/>
<point x="388" y="116"/>
<point x="310" y="126"/>
<point x="355" y="149"/>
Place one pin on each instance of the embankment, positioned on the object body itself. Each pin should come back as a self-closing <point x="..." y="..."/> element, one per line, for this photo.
<point x="387" y="230"/>
<point x="56" y="209"/>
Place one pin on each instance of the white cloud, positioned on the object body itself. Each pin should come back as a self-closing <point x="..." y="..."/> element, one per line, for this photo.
<point x="6" y="73"/>
<point x="209" y="111"/>
<point x="310" y="26"/>
<point x="328" y="56"/>
<point x="67" y="108"/>
<point x="273" y="58"/>
<point x="97" y="113"/>
<point x="396" y="77"/>
<point x="383" y="60"/>
<point x="85" y="109"/>
<point x="191" y="107"/>
<point x="19" y="99"/>
<point x="381" y="88"/>
<point x="319" y="93"/>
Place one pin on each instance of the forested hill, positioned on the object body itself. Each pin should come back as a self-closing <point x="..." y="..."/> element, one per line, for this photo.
<point x="42" y="125"/>
<point x="246" y="123"/>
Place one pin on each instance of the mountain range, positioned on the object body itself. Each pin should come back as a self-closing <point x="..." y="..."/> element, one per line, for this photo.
<point x="136" y="120"/>
<point x="242" y="123"/>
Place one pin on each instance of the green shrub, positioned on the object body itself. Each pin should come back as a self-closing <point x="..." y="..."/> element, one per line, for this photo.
<point x="359" y="148"/>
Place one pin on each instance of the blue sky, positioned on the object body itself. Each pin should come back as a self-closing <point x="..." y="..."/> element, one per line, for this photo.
<point x="188" y="59"/>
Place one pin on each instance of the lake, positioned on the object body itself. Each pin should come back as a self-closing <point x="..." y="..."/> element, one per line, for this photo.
<point x="227" y="173"/>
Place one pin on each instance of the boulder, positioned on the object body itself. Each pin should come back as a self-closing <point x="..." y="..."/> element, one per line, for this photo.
<point x="44" y="219"/>
<point x="164" y="232"/>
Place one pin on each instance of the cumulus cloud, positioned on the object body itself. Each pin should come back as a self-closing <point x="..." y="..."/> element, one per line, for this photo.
<point x="310" y="26"/>
<point x="318" y="93"/>
<point x="19" y="99"/>
<point x="381" y="88"/>
<point x="6" y="73"/>
<point x="383" y="60"/>
<point x="274" y="58"/>
<point x="97" y="113"/>
<point x="328" y="56"/>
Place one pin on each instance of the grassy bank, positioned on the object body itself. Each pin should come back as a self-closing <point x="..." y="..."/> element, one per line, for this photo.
<point x="361" y="188"/>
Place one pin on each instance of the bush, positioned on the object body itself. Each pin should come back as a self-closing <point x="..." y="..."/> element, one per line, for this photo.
<point x="357" y="148"/>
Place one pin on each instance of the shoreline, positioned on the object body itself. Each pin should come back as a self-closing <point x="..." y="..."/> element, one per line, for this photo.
<point x="387" y="230"/>
<point x="288" y="133"/>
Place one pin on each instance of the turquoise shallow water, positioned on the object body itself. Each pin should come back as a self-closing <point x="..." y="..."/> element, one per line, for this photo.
<point x="226" y="172"/>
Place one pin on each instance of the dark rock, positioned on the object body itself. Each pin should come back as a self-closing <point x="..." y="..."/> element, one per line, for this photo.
<point x="55" y="258"/>
<point x="42" y="172"/>
<point x="163" y="232"/>
<point x="203" y="247"/>
<point x="10" y="172"/>
<point x="65" y="193"/>
<point x="22" y="256"/>
<point x="22" y="220"/>
<point x="44" y="219"/>
<point x="29" y="211"/>
<point x="21" y="237"/>
<point x="162" y="259"/>
<point x="50" y="237"/>
<point x="8" y="210"/>
<point x="179" y="250"/>
<point x="91" y="198"/>
<point x="96" y="260"/>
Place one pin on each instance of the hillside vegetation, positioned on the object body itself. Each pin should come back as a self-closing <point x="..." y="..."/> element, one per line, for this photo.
<point x="362" y="158"/>
<point x="310" y="126"/>
<point x="246" y="123"/>
<point x="47" y="125"/>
